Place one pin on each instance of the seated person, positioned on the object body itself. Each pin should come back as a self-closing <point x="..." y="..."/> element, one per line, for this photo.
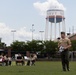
<point x="19" y="59"/>
<point x="5" y="60"/>
<point x="9" y="61"/>
<point x="1" y="59"/>
<point x="33" y="60"/>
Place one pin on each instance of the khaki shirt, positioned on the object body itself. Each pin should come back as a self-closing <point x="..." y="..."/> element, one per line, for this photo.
<point x="34" y="58"/>
<point x="1" y="56"/>
<point x="5" y="58"/>
<point x="64" y="42"/>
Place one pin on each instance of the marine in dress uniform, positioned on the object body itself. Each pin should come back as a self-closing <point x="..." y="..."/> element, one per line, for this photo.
<point x="65" y="43"/>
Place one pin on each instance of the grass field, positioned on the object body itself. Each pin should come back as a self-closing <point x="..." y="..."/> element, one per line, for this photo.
<point x="41" y="68"/>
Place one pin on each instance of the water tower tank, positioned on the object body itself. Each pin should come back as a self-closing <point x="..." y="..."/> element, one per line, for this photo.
<point x="55" y="13"/>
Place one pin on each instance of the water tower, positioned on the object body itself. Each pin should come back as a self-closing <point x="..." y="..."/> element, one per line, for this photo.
<point x="55" y="17"/>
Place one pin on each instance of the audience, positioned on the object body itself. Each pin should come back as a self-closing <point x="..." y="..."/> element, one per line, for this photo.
<point x="7" y="61"/>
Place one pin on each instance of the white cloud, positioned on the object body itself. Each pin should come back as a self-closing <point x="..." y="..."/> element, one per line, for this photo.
<point x="4" y="29"/>
<point x="22" y="34"/>
<point x="44" y="6"/>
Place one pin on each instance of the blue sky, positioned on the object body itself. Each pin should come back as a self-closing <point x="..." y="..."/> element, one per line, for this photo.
<point x="21" y="14"/>
<point x="70" y="13"/>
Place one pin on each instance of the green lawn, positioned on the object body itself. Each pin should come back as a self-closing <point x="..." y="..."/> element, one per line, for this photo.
<point x="41" y="68"/>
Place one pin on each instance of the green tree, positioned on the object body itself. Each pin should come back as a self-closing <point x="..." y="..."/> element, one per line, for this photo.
<point x="50" y="47"/>
<point x="2" y="45"/>
<point x="34" y="45"/>
<point x="18" y="45"/>
<point x="73" y="48"/>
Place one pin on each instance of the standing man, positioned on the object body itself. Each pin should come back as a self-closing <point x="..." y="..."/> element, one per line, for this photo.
<point x="64" y="44"/>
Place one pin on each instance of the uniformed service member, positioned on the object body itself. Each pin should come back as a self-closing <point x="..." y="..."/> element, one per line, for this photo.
<point x="66" y="44"/>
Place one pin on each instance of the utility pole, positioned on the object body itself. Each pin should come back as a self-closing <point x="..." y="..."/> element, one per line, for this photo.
<point x="13" y="31"/>
<point x="0" y="39"/>
<point x="32" y="30"/>
<point x="73" y="29"/>
<point x="41" y="34"/>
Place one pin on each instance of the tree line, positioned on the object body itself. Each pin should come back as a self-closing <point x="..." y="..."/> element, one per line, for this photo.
<point x="49" y="47"/>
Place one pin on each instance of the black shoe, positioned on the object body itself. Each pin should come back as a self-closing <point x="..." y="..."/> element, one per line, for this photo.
<point x="68" y="69"/>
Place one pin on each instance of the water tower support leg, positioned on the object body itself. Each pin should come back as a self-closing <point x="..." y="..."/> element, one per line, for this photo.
<point x="64" y="26"/>
<point x="59" y="30"/>
<point x="55" y="27"/>
<point x="46" y="30"/>
<point x="51" y="32"/>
